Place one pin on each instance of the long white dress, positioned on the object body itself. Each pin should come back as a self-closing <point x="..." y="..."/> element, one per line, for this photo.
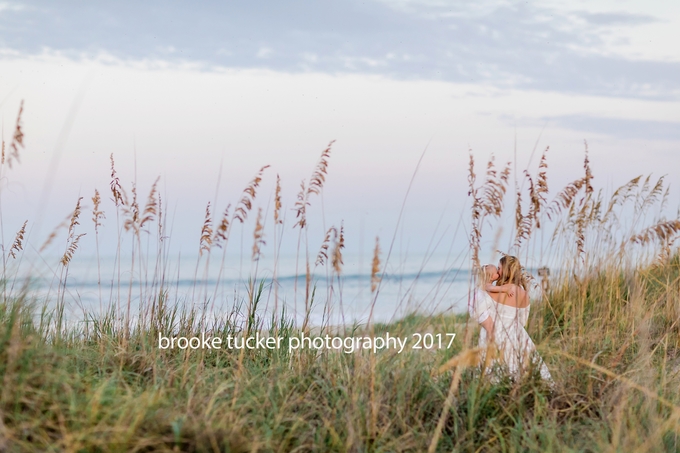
<point x="517" y="348"/>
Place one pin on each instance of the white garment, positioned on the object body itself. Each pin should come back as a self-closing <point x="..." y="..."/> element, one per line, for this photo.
<point x="510" y="335"/>
<point x="479" y="305"/>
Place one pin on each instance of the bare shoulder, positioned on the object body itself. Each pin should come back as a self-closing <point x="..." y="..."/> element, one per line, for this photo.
<point x="521" y="297"/>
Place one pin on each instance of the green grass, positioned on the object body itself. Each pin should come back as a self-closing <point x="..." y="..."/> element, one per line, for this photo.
<point x="608" y="329"/>
<point x="98" y="390"/>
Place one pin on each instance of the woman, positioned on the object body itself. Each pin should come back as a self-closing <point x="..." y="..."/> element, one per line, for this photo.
<point x="509" y="314"/>
<point x="482" y="305"/>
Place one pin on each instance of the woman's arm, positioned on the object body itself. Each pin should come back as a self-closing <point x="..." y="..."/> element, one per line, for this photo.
<point x="508" y="289"/>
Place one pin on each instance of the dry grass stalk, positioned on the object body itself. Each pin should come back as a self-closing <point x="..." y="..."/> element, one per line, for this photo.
<point x="72" y="239"/>
<point x="277" y="202"/>
<point x="258" y="236"/>
<point x="319" y="175"/>
<point x="646" y="200"/>
<point x="160" y="217"/>
<point x="119" y="195"/>
<point x="375" y="267"/>
<point x="662" y="232"/>
<point x="466" y="357"/>
<point x="246" y="203"/>
<point x="494" y="188"/>
<point x="74" y="219"/>
<point x="222" y="229"/>
<point x="150" y="209"/>
<point x="131" y="211"/>
<point x="526" y="224"/>
<point x="522" y="223"/>
<point x="585" y="214"/>
<point x="476" y="233"/>
<point x="538" y="192"/>
<point x="17" y="140"/>
<point x="206" y="233"/>
<point x="589" y="174"/>
<point x="322" y="256"/>
<point x="301" y="207"/>
<point x="71" y="249"/>
<point x="17" y="246"/>
<point x="97" y="215"/>
<point x="336" y="261"/>
<point x="664" y="199"/>
<point x="315" y="186"/>
<point x="621" y="196"/>
<point x="487" y="200"/>
<point x="53" y="235"/>
<point x="565" y="198"/>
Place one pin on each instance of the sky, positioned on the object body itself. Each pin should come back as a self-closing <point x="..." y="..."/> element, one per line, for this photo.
<point x="204" y="94"/>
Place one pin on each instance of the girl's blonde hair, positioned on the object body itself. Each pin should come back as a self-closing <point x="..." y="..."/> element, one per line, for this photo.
<point x="511" y="272"/>
<point x="482" y="276"/>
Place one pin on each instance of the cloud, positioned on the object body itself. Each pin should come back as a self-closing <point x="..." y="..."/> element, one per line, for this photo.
<point x="618" y="18"/>
<point x="619" y="127"/>
<point x="499" y="43"/>
<point x="7" y="6"/>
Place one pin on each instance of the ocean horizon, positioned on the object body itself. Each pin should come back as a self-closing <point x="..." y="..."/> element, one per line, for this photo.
<point x="424" y="284"/>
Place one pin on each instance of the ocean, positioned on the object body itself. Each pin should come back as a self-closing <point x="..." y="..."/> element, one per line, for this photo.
<point x="417" y="284"/>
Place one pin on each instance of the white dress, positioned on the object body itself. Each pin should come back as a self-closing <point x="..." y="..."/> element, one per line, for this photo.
<point x="511" y="337"/>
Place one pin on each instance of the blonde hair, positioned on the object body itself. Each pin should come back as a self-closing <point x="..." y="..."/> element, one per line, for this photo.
<point x="511" y="272"/>
<point x="482" y="276"/>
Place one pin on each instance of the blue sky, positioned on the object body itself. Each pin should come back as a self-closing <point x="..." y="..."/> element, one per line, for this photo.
<point x="177" y="88"/>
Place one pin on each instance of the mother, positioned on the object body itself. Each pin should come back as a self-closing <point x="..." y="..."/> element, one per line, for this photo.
<point x="509" y="313"/>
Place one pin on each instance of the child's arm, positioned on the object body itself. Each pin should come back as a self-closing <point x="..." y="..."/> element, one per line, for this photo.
<point x="508" y="289"/>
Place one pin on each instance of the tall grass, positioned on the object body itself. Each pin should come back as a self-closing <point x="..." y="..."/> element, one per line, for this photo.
<point x="607" y="326"/>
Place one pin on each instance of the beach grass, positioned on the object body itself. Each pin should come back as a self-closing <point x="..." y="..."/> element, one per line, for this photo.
<point x="98" y="389"/>
<point x="607" y="326"/>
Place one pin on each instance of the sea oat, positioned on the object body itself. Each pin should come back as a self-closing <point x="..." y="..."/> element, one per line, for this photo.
<point x="17" y="139"/>
<point x="277" y="202"/>
<point x="523" y="223"/>
<point x="160" y="217"/>
<point x="565" y="198"/>
<point x="662" y="232"/>
<point x="18" y="240"/>
<point x="97" y="215"/>
<point x="494" y="189"/>
<point x="475" y="234"/>
<point x="652" y="197"/>
<point x="301" y="207"/>
<point x="258" y="236"/>
<point x="74" y="219"/>
<point x="119" y="195"/>
<point x="71" y="249"/>
<point x="322" y="256"/>
<point x="589" y="175"/>
<point x="487" y="200"/>
<point x="375" y="267"/>
<point x="222" y="229"/>
<point x="319" y="175"/>
<point x="620" y="196"/>
<point x="538" y="192"/>
<point x="150" y="210"/>
<point x="206" y="233"/>
<point x="53" y="235"/>
<point x="131" y="211"/>
<point x="336" y="260"/>
<point x="246" y="203"/>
